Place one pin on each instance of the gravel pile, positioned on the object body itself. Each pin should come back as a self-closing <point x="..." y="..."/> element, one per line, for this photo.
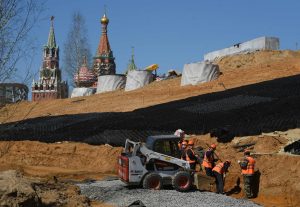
<point x="116" y="193"/>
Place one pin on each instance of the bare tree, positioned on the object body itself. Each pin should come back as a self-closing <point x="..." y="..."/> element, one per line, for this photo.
<point x="76" y="46"/>
<point x="17" y="18"/>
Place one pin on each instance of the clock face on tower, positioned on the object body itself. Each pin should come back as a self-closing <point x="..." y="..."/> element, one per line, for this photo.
<point x="46" y="73"/>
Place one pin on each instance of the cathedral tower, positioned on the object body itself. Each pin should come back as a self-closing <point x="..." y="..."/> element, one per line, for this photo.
<point x="104" y="61"/>
<point x="49" y="85"/>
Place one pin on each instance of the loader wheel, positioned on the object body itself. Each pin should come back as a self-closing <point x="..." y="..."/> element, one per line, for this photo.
<point x="182" y="181"/>
<point x="152" y="181"/>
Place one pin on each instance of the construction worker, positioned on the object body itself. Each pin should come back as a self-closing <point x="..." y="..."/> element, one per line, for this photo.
<point x="247" y="165"/>
<point x="219" y="172"/>
<point x="183" y="150"/>
<point x="209" y="160"/>
<point x="180" y="133"/>
<point x="190" y="155"/>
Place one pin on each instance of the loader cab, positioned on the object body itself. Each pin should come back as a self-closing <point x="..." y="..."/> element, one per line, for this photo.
<point x="164" y="144"/>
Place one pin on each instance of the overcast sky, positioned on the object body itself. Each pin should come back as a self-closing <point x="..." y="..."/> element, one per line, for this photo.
<point x="171" y="32"/>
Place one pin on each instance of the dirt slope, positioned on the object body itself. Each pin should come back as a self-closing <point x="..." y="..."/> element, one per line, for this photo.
<point x="67" y="160"/>
<point x="237" y="71"/>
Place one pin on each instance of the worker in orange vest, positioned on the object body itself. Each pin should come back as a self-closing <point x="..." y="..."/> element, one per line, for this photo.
<point x="183" y="149"/>
<point x="247" y="165"/>
<point x="219" y="172"/>
<point x="209" y="160"/>
<point x="190" y="155"/>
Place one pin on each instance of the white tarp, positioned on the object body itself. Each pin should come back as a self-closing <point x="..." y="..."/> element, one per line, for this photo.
<point x="201" y="72"/>
<point x="137" y="79"/>
<point x="77" y="92"/>
<point x="110" y="83"/>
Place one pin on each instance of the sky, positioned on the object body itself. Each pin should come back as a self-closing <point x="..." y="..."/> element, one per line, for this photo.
<point x="170" y="32"/>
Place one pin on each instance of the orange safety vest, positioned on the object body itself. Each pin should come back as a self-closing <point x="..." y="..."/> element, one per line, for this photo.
<point x="188" y="158"/>
<point x="250" y="167"/>
<point x="219" y="168"/>
<point x="208" y="161"/>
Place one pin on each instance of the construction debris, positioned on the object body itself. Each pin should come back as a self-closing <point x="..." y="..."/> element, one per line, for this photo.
<point x="17" y="190"/>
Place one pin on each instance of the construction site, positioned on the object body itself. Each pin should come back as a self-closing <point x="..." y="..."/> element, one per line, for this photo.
<point x="64" y="152"/>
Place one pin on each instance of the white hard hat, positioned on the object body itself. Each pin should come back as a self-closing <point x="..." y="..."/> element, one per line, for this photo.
<point x="179" y="132"/>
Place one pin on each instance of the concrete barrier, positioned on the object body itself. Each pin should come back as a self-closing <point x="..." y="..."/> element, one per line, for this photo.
<point x="78" y="92"/>
<point x="261" y="43"/>
<point x="108" y="83"/>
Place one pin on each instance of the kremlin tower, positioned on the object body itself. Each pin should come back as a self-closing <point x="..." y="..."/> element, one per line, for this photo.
<point x="49" y="85"/>
<point x="104" y="61"/>
<point x="131" y="65"/>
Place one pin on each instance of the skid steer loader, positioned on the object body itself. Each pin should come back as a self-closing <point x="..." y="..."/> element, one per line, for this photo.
<point x="154" y="164"/>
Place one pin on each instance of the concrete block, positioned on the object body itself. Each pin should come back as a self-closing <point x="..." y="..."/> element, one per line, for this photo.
<point x="261" y="43"/>
<point x="78" y="92"/>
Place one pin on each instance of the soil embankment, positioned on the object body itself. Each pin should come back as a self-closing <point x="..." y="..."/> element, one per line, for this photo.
<point x="63" y="160"/>
<point x="238" y="70"/>
<point x="247" y="100"/>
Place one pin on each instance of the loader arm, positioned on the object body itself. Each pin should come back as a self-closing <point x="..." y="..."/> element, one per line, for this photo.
<point x="149" y="154"/>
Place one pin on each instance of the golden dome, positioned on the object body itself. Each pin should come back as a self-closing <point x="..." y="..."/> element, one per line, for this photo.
<point x="104" y="20"/>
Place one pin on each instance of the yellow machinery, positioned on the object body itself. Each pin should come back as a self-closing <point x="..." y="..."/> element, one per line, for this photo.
<point x="152" y="67"/>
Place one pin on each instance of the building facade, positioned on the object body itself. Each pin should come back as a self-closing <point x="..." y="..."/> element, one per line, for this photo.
<point x="13" y="92"/>
<point x="104" y="61"/>
<point x="50" y="85"/>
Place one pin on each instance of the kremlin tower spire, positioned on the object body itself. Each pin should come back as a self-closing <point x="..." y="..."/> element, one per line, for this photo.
<point x="131" y="65"/>
<point x="51" y="38"/>
<point x="104" y="61"/>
